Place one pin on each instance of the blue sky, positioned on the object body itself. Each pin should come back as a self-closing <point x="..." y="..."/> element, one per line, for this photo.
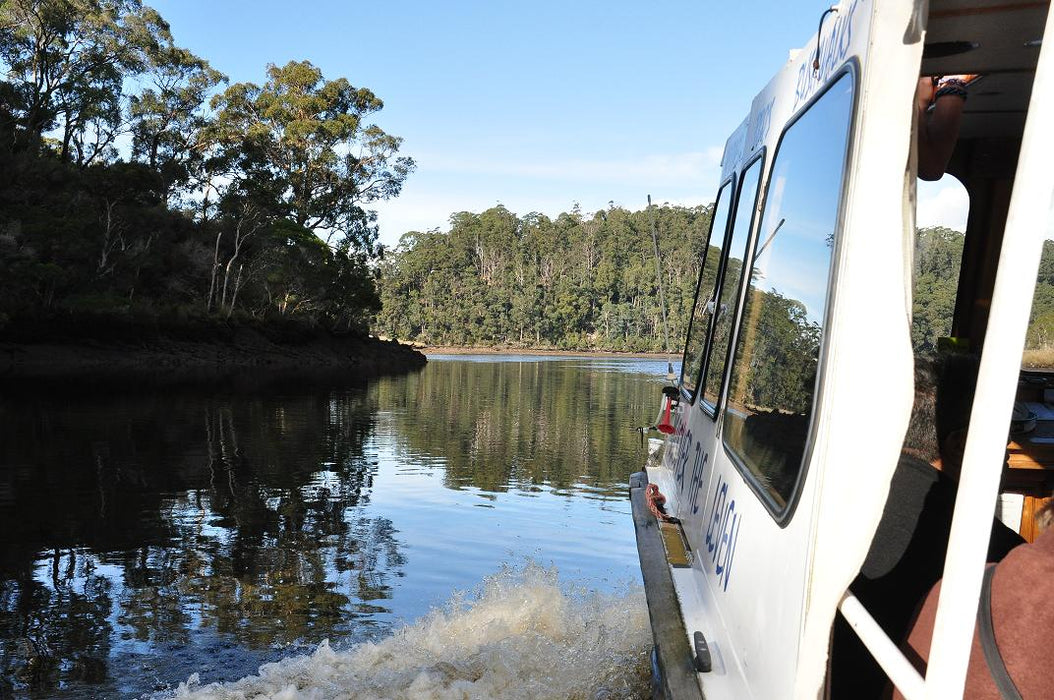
<point x="534" y="105"/>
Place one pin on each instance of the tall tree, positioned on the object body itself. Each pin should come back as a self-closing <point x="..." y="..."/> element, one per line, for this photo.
<point x="169" y="125"/>
<point x="301" y="146"/>
<point x="281" y="178"/>
<point x="67" y="61"/>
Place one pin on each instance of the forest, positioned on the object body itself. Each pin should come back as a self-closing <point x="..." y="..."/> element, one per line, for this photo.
<point x="577" y="281"/>
<point x="588" y="282"/>
<point x="138" y="186"/>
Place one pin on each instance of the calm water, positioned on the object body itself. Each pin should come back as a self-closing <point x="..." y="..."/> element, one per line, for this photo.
<point x="463" y="531"/>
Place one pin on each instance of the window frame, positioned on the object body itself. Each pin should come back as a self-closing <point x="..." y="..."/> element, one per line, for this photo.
<point x="715" y="409"/>
<point x="782" y="515"/>
<point x="733" y="181"/>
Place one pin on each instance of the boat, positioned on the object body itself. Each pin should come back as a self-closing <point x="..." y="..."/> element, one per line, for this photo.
<point x="760" y="511"/>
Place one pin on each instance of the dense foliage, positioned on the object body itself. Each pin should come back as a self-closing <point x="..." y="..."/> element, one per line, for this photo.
<point x="782" y="346"/>
<point x="1040" y="338"/>
<point x="576" y="281"/>
<point x="938" y="254"/>
<point x="589" y="282"/>
<point x="133" y="183"/>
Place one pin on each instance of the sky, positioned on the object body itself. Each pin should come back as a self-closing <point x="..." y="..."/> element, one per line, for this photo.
<point x="535" y="105"/>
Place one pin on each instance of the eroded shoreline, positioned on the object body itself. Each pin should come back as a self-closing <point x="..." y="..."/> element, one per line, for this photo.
<point x="244" y="351"/>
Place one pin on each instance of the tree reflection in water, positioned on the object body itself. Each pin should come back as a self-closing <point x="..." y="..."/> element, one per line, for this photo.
<point x="149" y="534"/>
<point x="514" y="425"/>
<point x="164" y="516"/>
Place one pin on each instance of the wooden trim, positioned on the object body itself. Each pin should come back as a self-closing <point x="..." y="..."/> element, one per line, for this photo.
<point x="1032" y="505"/>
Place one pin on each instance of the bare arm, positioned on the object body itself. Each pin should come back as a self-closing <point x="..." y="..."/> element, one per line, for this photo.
<point x="938" y="128"/>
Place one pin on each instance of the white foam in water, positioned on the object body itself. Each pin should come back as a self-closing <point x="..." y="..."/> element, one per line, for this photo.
<point x="521" y="636"/>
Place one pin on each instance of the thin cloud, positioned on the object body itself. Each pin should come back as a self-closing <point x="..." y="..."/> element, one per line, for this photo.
<point x="943" y="203"/>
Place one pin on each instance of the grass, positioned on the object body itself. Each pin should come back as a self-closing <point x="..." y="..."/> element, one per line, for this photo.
<point x="1038" y="358"/>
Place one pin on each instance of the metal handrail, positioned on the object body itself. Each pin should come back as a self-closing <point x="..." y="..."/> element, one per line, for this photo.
<point x="908" y="680"/>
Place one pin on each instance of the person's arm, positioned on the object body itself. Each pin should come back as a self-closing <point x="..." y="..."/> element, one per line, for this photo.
<point x="939" y="127"/>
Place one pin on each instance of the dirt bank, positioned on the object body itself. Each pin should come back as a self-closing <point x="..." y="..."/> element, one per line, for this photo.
<point x="243" y="349"/>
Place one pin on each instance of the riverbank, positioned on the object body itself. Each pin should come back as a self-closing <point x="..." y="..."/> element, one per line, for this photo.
<point x="462" y="350"/>
<point x="235" y="349"/>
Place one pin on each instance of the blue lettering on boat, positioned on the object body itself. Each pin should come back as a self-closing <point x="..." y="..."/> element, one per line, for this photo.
<point x="759" y="126"/>
<point x="696" y="486"/>
<point x="682" y="460"/>
<point x="834" y="47"/>
<point x="722" y="533"/>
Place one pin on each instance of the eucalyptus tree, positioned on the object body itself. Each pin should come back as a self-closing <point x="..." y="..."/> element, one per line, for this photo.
<point x="300" y="150"/>
<point x="66" y="61"/>
<point x="169" y="122"/>
<point x="302" y="143"/>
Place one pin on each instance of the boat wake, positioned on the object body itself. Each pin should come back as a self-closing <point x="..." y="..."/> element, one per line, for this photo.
<point x="520" y="635"/>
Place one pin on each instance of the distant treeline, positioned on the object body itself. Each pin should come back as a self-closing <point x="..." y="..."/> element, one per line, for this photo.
<point x="589" y="283"/>
<point x="135" y="181"/>
<point x="937" y="258"/>
<point x="573" y="282"/>
<point x="137" y="184"/>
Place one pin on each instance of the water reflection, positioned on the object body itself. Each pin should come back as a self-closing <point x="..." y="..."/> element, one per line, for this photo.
<point x="522" y="422"/>
<point x="164" y="516"/>
<point x="149" y="534"/>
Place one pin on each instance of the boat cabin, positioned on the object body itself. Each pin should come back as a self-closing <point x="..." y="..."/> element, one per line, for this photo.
<point x="797" y="479"/>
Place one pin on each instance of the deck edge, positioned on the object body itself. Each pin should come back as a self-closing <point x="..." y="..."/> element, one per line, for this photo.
<point x="664" y="609"/>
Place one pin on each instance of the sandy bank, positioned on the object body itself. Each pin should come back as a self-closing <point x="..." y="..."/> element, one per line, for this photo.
<point x="461" y="350"/>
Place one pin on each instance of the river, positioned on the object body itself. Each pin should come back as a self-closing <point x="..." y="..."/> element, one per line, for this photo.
<point x="463" y="531"/>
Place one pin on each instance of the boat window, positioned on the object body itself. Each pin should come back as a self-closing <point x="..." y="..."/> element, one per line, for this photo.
<point x="773" y="377"/>
<point x="725" y="303"/>
<point x="942" y="211"/>
<point x="692" y="364"/>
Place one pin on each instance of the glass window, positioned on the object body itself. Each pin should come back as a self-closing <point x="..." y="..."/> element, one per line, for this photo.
<point x="692" y="365"/>
<point x="733" y="274"/>
<point x="773" y="375"/>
